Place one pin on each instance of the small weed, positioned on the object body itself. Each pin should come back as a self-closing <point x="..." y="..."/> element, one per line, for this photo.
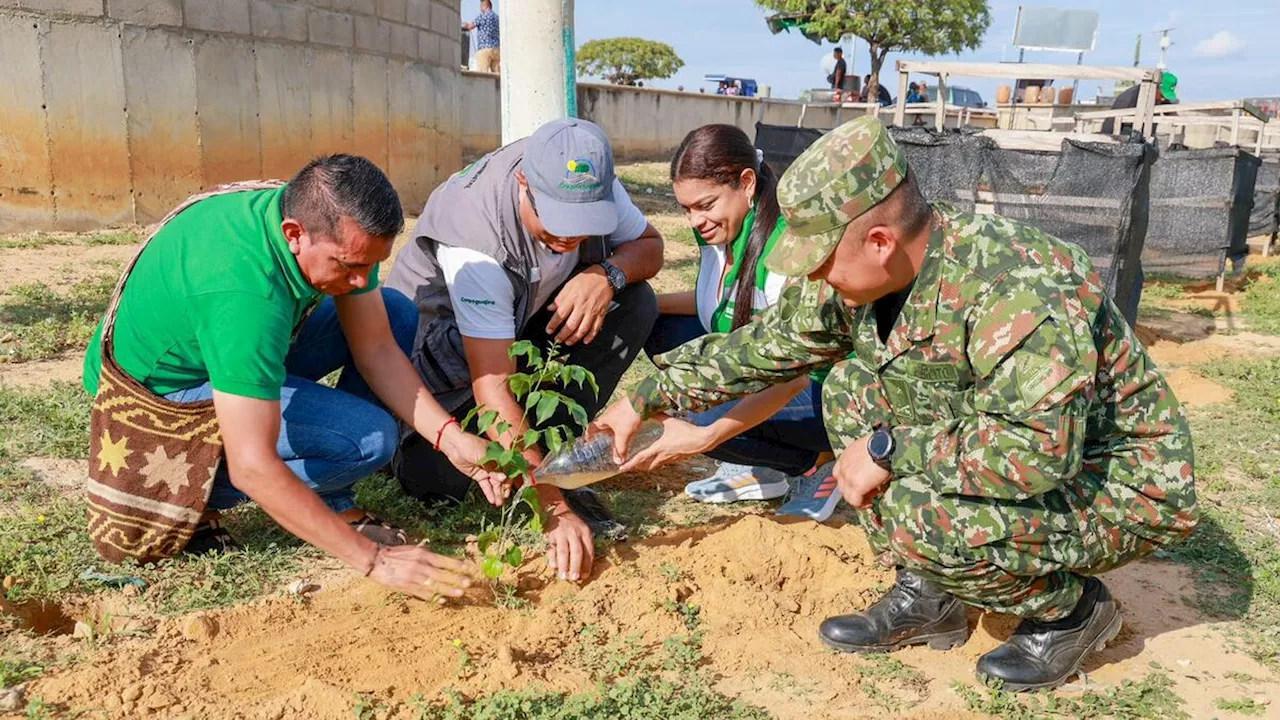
<point x="690" y="614"/>
<point x="1240" y="677"/>
<point x="606" y="661"/>
<point x="1150" y="699"/>
<point x="14" y="671"/>
<point x="466" y="663"/>
<point x="367" y="707"/>
<point x="38" y="709"/>
<point x="671" y="572"/>
<point x="1243" y="706"/>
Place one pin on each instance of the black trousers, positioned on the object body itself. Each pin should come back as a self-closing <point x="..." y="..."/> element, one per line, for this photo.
<point x="425" y="473"/>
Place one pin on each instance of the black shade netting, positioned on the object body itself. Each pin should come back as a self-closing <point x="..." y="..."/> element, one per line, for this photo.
<point x="1201" y="201"/>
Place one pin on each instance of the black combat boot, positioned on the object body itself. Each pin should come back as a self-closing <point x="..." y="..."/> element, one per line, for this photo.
<point x="914" y="612"/>
<point x="1047" y="654"/>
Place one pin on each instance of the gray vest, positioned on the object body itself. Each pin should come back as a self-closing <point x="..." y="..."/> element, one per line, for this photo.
<point x="478" y="209"/>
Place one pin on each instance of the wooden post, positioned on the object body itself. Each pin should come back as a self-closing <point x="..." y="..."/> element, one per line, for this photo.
<point x="803" y="108"/>
<point x="940" y="113"/>
<point x="900" y="110"/>
<point x="1146" y="107"/>
<point x="1235" y="127"/>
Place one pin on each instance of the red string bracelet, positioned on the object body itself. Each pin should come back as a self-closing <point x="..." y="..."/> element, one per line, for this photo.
<point x="440" y="435"/>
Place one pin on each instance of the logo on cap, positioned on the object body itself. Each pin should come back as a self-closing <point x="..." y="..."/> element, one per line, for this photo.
<point x="580" y="175"/>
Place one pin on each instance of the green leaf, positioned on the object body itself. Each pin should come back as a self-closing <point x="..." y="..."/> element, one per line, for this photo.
<point x="493" y="454"/>
<point x="529" y="496"/>
<point x="591" y="380"/>
<point x="547" y="406"/>
<point x="526" y="349"/>
<point x="470" y="417"/>
<point x="531" y="438"/>
<point x="532" y="399"/>
<point x="554" y="439"/>
<point x="519" y="384"/>
<point x="487" y="538"/>
<point x="514" y="556"/>
<point x="492" y="567"/>
<point x="503" y="427"/>
<point x="579" y="414"/>
<point x="486" y="420"/>
<point x="535" y="522"/>
<point x="507" y="456"/>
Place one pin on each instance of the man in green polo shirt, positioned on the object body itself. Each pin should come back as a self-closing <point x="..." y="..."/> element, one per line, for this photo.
<point x="209" y="311"/>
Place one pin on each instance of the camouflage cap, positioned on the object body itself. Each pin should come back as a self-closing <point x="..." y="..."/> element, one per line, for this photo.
<point x="841" y="176"/>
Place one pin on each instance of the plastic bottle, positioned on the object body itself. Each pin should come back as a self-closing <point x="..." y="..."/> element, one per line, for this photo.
<point x="590" y="460"/>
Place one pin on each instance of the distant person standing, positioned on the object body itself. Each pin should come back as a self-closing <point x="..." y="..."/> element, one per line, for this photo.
<point x="836" y="78"/>
<point x="488" y="58"/>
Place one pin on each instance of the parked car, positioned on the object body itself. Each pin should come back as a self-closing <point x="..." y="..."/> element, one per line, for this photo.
<point x="962" y="96"/>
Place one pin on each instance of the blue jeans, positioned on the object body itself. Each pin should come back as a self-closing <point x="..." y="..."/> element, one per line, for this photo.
<point x="330" y="438"/>
<point x="789" y="441"/>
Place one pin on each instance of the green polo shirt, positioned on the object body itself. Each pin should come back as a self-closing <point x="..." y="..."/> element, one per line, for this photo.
<point x="213" y="298"/>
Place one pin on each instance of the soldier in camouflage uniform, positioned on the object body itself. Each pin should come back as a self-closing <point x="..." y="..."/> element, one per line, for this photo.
<point x="1002" y="431"/>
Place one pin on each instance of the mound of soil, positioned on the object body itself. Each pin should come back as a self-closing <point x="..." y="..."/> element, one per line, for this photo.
<point x="761" y="586"/>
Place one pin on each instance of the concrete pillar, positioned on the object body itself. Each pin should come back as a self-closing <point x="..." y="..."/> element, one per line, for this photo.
<point x="539" y="82"/>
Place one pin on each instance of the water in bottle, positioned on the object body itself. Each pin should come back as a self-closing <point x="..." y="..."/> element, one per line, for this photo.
<point x="590" y="460"/>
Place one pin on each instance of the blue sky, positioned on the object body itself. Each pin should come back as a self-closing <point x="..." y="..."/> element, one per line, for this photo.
<point x="1222" y="50"/>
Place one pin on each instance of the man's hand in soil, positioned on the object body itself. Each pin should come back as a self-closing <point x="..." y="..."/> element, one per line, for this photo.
<point x="415" y="571"/>
<point x="465" y="451"/>
<point x="570" y="550"/>
<point x="580" y="306"/>
<point x="858" y="476"/>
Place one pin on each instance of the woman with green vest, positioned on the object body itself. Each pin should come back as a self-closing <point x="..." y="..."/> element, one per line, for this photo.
<point x="767" y="441"/>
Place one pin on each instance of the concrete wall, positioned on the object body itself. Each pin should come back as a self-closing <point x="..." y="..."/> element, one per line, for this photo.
<point x="114" y="111"/>
<point x="646" y="123"/>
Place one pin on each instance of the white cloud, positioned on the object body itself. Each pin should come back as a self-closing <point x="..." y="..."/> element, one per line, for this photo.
<point x="1222" y="44"/>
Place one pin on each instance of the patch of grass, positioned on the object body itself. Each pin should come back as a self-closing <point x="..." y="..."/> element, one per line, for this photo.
<point x="892" y="684"/>
<point x="630" y="683"/>
<point x="14" y="671"/>
<point x="39" y="240"/>
<point x="1243" y="706"/>
<point x="1152" y="698"/>
<point x="1162" y="290"/>
<point x="49" y="422"/>
<point x="38" y="323"/>
<point x="1261" y="301"/>
<point x="1235" y="552"/>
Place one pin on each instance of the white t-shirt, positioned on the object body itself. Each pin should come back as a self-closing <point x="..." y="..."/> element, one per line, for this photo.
<point x="709" y="290"/>
<point x="483" y="297"/>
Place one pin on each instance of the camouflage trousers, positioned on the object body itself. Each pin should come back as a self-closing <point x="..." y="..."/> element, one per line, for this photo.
<point x="1022" y="557"/>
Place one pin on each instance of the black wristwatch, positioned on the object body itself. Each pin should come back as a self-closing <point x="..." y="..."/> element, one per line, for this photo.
<point x="881" y="446"/>
<point x="617" y="278"/>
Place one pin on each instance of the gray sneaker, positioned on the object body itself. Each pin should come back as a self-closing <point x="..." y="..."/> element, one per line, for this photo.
<point x="815" y="495"/>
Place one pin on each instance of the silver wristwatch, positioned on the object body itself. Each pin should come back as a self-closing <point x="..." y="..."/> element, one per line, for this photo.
<point x="617" y="278"/>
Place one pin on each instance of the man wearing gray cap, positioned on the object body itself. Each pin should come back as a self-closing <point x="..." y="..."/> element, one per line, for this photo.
<point x="535" y="241"/>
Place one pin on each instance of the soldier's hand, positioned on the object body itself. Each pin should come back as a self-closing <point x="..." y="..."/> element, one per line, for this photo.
<point x="680" y="439"/>
<point x="859" y="478"/>
<point x="622" y="420"/>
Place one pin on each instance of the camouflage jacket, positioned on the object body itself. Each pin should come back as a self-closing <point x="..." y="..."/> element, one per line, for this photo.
<point x="1007" y="372"/>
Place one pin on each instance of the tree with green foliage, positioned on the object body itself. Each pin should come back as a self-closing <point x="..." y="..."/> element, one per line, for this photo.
<point x="628" y="60"/>
<point x="930" y="27"/>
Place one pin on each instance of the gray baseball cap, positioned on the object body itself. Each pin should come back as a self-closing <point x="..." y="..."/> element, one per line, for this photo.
<point x="569" y="166"/>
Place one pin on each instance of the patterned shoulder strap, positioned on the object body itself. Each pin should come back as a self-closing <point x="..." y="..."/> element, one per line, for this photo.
<point x="108" y="325"/>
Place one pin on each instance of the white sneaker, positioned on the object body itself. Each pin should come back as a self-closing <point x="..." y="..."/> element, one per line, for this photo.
<point x="733" y="482"/>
